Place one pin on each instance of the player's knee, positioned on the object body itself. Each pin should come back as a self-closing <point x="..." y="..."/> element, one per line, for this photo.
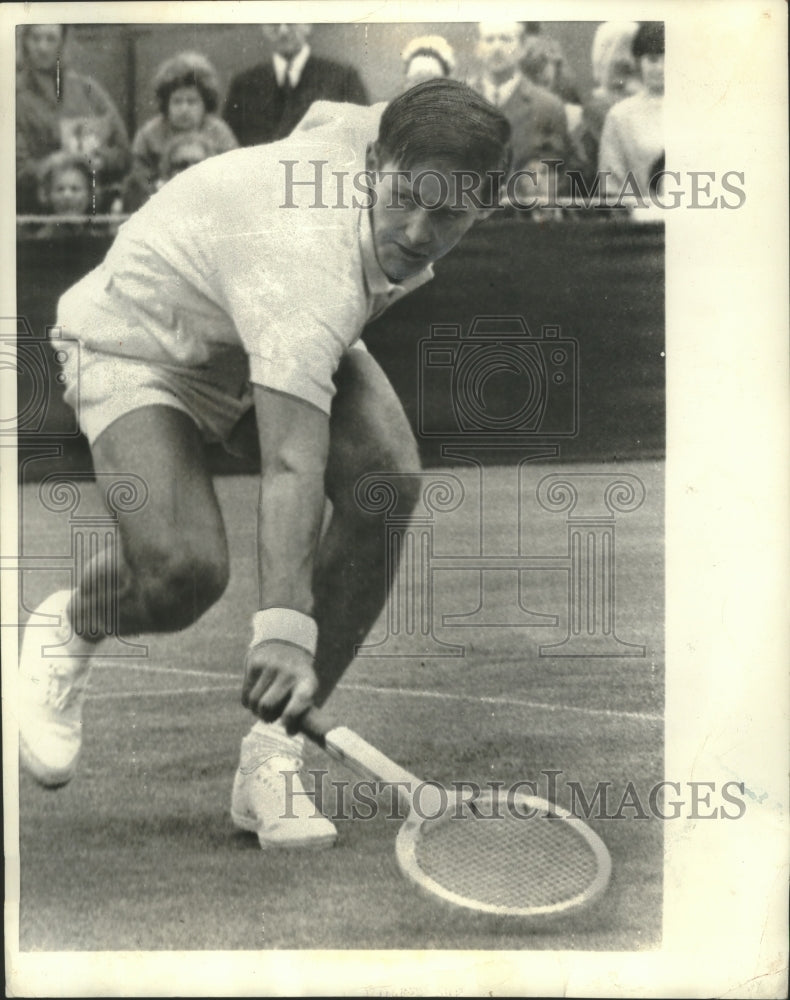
<point x="182" y="587"/>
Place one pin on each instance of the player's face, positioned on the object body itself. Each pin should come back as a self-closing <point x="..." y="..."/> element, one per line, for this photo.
<point x="43" y="43"/>
<point x="500" y="47"/>
<point x="70" y="194"/>
<point x="185" y="109"/>
<point x="286" y="39"/>
<point x="408" y="233"/>
<point x="652" y="70"/>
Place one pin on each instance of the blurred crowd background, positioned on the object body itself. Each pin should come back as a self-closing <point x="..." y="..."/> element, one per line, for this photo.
<point x="107" y="113"/>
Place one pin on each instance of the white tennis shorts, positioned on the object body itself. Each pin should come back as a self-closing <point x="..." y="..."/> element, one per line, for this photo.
<point x="102" y="387"/>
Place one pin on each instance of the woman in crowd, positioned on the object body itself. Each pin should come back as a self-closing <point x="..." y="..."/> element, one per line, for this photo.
<point x="187" y="92"/>
<point x="614" y="78"/>
<point x="428" y="57"/>
<point x="632" y="140"/>
<point x="59" y="109"/>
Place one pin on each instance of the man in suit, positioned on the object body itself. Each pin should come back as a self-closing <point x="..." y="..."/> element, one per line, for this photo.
<point x="265" y="103"/>
<point x="537" y="118"/>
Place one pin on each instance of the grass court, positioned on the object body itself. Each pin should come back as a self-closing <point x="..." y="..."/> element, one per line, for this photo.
<point x="139" y="852"/>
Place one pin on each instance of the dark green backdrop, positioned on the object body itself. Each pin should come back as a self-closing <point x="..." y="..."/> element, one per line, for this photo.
<point x="600" y="281"/>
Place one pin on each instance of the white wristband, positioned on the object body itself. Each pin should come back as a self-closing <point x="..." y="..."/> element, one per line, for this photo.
<point x="285" y="625"/>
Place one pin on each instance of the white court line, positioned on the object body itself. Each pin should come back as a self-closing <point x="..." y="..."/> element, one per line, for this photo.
<point x="126" y="663"/>
<point x="160" y="693"/>
<point x="490" y="700"/>
<point x="417" y="693"/>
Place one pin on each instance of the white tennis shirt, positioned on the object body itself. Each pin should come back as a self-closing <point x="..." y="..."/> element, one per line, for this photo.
<point x="214" y="261"/>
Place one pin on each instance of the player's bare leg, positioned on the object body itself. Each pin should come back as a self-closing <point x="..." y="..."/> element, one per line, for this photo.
<point x="173" y="562"/>
<point x="172" y="565"/>
<point x="369" y="433"/>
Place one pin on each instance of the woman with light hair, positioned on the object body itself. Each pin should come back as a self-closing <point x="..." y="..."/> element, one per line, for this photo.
<point x="428" y="57"/>
<point x="615" y="77"/>
<point x="613" y="65"/>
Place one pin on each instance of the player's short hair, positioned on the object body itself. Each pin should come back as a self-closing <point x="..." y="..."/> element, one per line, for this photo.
<point x="445" y="119"/>
<point x="649" y="39"/>
<point x="187" y="69"/>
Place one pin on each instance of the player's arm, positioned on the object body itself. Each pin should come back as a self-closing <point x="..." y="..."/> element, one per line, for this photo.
<point x="294" y="444"/>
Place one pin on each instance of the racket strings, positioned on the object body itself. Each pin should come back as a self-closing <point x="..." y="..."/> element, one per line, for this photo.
<point x="507" y="861"/>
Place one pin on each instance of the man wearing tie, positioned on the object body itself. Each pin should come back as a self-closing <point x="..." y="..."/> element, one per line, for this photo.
<point x="536" y="116"/>
<point x="266" y="102"/>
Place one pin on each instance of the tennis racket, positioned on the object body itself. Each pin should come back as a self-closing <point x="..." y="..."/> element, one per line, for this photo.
<point x="508" y="854"/>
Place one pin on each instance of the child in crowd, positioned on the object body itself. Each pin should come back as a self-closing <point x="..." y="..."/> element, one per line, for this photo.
<point x="58" y="108"/>
<point x="184" y="151"/>
<point x="187" y="91"/>
<point x="180" y="152"/>
<point x="65" y="188"/>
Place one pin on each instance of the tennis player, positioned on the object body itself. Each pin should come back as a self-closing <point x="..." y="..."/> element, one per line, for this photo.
<point x="238" y="293"/>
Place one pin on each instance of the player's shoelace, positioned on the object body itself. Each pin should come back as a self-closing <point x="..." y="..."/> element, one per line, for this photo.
<point x="257" y="764"/>
<point x="64" y="691"/>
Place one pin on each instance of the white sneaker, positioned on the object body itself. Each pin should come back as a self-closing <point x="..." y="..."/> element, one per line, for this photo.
<point x="269" y="798"/>
<point x="52" y="686"/>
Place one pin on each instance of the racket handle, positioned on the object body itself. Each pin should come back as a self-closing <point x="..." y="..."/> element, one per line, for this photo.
<point x="315" y="725"/>
<point x="346" y="746"/>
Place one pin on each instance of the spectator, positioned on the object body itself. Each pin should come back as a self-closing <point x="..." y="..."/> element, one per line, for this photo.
<point x="66" y="188"/>
<point x="614" y="78"/>
<point x="60" y="109"/>
<point x="537" y="117"/>
<point x="266" y="102"/>
<point x="182" y="150"/>
<point x="187" y="92"/>
<point x="633" y="135"/>
<point x="428" y="57"/>
<point x="544" y="64"/>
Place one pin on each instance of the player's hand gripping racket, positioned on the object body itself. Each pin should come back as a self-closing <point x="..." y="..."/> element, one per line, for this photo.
<point x="507" y="854"/>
